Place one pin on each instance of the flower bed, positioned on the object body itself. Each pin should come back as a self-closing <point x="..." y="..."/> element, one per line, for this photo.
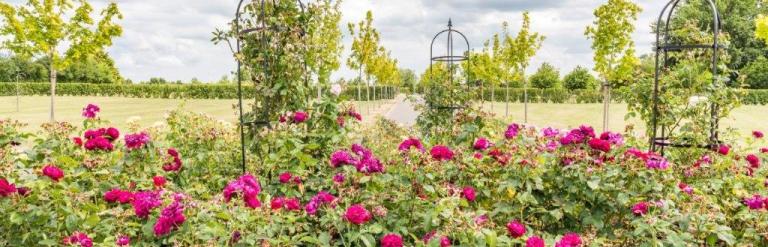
<point x="180" y="184"/>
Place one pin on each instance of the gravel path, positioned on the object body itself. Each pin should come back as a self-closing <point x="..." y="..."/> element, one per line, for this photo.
<point x="402" y="112"/>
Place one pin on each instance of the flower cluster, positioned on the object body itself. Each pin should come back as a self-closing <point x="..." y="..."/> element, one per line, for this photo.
<point x="392" y="240"/>
<point x="444" y="240"/>
<point x="652" y="160"/>
<point x="53" y="172"/>
<point x="118" y="195"/>
<point x="136" y="141"/>
<point x="101" y="139"/>
<point x="287" y="177"/>
<point x="144" y="201"/>
<point x="515" y="229"/>
<point x="569" y="240"/>
<point x="342" y="157"/>
<point x="290" y="204"/>
<point x="756" y="202"/>
<point x="579" y="135"/>
<point x="174" y="163"/>
<point x="365" y="161"/>
<point x="357" y="214"/>
<point x="6" y="188"/>
<point x="318" y="200"/>
<point x="640" y="208"/>
<point x="170" y="218"/>
<point x="79" y="238"/>
<point x="685" y="188"/>
<point x="409" y="143"/>
<point x="613" y="138"/>
<point x="123" y="240"/>
<point x="441" y="153"/>
<point x="248" y="186"/>
<point x="512" y="131"/>
<point x="90" y="111"/>
<point x="481" y="144"/>
<point x="299" y="117"/>
<point x="600" y="145"/>
<point x="534" y="241"/>
<point x="469" y="193"/>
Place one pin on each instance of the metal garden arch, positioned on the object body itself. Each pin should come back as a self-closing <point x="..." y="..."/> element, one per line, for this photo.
<point x="261" y="27"/>
<point x="660" y="140"/>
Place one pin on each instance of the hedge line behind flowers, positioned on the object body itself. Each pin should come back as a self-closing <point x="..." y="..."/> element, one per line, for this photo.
<point x="163" y="91"/>
<point x="586" y="96"/>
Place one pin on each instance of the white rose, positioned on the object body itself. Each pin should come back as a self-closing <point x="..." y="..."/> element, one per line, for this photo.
<point x="336" y="89"/>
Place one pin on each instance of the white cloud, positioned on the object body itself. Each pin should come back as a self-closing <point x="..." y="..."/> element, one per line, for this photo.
<point x="171" y="38"/>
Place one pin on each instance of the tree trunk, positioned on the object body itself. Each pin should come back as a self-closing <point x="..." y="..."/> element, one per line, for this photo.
<point x="493" y="96"/>
<point x="506" y="91"/>
<point x="606" y="105"/>
<point x="525" y="96"/>
<point x="53" y="90"/>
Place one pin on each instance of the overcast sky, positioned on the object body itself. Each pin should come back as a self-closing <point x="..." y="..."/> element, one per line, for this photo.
<point x="171" y="38"/>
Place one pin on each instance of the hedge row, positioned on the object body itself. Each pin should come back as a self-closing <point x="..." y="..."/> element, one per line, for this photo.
<point x="536" y="95"/>
<point x="585" y="96"/>
<point x="163" y="91"/>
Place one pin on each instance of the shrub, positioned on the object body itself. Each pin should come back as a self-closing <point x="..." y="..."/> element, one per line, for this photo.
<point x="756" y="74"/>
<point x="546" y="77"/>
<point x="579" y="78"/>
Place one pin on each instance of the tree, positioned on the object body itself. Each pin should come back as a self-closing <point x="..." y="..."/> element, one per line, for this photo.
<point x="761" y="28"/>
<point x="325" y="41"/>
<point x="611" y="35"/>
<point x="518" y="54"/>
<point x="45" y="29"/>
<point x="546" y="77"/>
<point x="738" y="20"/>
<point x="365" y="44"/>
<point x="579" y="78"/>
<point x="756" y="74"/>
<point x="408" y="78"/>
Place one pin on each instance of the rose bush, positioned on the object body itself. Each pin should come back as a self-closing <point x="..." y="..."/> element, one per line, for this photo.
<point x="179" y="183"/>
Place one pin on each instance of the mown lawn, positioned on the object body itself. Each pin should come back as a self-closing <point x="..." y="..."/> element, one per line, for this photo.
<point x="34" y="110"/>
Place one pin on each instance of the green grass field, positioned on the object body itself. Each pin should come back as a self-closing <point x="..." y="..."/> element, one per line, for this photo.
<point x="744" y="119"/>
<point x="34" y="110"/>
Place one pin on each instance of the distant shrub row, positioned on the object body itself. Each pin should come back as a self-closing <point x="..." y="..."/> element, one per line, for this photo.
<point x="162" y="91"/>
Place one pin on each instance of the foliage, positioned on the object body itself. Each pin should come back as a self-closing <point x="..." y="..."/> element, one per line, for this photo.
<point x="325" y="40"/>
<point x="519" y="51"/>
<point x="579" y="78"/>
<point x="612" y="41"/>
<point x="738" y="22"/>
<point x="550" y="181"/>
<point x="45" y="29"/>
<point x="756" y="74"/>
<point x="761" y="29"/>
<point x="687" y="90"/>
<point x="164" y="91"/>
<point x="283" y="46"/>
<point x="88" y="70"/>
<point x="546" y="77"/>
<point x="408" y="77"/>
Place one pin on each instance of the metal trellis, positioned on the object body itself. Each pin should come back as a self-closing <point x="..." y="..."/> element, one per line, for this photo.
<point x="659" y="141"/>
<point x="260" y="27"/>
<point x="449" y="58"/>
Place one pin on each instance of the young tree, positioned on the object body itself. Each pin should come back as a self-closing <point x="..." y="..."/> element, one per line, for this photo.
<point x="46" y="28"/>
<point x="365" y="45"/>
<point x="325" y="41"/>
<point x="611" y="35"/>
<point x="519" y="52"/>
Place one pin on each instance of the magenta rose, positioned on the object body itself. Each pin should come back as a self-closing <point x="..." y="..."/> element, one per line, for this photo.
<point x="357" y="214"/>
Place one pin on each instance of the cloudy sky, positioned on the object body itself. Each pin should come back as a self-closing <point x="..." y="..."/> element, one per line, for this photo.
<point x="171" y="38"/>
